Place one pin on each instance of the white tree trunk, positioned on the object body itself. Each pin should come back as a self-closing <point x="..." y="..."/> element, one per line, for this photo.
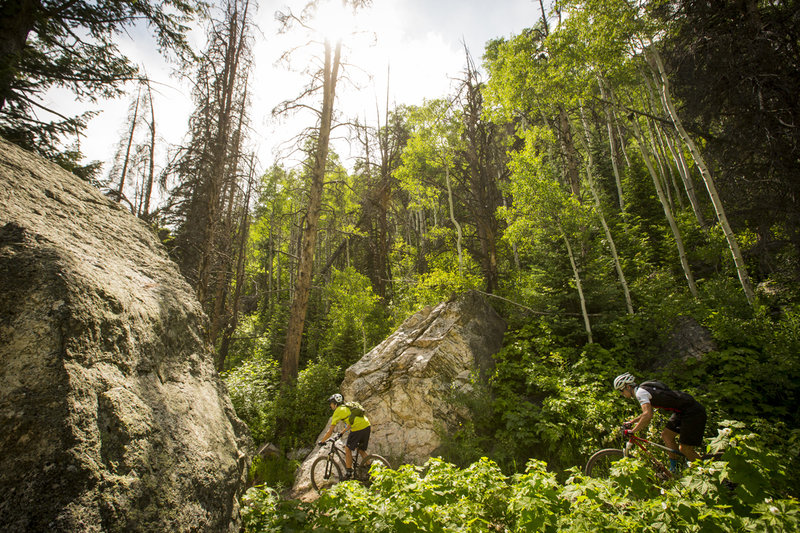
<point x="662" y="198"/>
<point x="599" y="207"/>
<point x="578" y="285"/>
<point x="612" y="146"/>
<point x="741" y="268"/>
<point x="453" y="216"/>
<point x="686" y="177"/>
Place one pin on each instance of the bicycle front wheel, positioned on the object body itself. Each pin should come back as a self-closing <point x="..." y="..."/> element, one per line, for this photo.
<point x="325" y="473"/>
<point x="599" y="464"/>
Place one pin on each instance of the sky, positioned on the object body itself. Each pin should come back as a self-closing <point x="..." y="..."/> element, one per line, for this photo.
<point x="419" y="43"/>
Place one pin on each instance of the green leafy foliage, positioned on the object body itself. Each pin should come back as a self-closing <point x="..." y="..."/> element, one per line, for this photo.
<point x="253" y="387"/>
<point x="354" y="307"/>
<point x="288" y="416"/>
<point x="737" y="493"/>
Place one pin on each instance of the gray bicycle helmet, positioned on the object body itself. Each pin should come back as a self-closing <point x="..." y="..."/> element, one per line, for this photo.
<point x="624" y="379"/>
<point x="336" y="398"/>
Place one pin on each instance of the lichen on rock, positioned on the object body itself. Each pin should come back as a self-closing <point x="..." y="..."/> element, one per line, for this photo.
<point x="113" y="415"/>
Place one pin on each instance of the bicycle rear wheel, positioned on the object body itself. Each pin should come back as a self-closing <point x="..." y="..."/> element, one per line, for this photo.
<point x="599" y="464"/>
<point x="712" y="456"/>
<point x="325" y="473"/>
<point x="364" y="467"/>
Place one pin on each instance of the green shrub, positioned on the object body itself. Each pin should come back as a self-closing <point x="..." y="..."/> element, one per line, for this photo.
<point x="254" y="386"/>
<point x="301" y="410"/>
<point x="288" y="416"/>
<point x="275" y="471"/>
<point x="263" y="511"/>
<point x="737" y="494"/>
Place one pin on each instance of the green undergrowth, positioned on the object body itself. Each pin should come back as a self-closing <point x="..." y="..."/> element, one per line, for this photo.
<point x="747" y="490"/>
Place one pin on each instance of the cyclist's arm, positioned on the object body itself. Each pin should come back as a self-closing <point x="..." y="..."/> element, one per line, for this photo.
<point x="328" y="434"/>
<point x="643" y="420"/>
<point x="334" y="421"/>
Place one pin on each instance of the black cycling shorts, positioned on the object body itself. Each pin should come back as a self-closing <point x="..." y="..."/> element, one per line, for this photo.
<point x="359" y="440"/>
<point x="690" y="424"/>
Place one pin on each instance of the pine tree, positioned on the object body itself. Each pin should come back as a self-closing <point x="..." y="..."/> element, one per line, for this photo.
<point x="52" y="43"/>
<point x="207" y="196"/>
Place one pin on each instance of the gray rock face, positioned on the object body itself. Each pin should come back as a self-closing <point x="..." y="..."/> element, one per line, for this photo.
<point x="112" y="416"/>
<point x="688" y="340"/>
<point x="406" y="383"/>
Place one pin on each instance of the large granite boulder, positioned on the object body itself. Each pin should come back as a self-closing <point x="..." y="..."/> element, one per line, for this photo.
<point x="406" y="384"/>
<point x="112" y="415"/>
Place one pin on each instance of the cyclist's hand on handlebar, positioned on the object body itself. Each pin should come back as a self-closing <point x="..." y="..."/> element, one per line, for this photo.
<point x="322" y="442"/>
<point x="627" y="425"/>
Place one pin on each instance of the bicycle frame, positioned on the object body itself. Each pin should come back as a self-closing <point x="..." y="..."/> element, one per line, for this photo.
<point x="642" y="444"/>
<point x="339" y="453"/>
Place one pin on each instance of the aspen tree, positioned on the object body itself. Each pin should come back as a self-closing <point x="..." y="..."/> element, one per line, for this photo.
<point x="705" y="172"/>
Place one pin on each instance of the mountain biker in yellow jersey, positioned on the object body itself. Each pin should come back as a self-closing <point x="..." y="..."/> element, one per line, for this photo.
<point x="688" y="418"/>
<point x="359" y="428"/>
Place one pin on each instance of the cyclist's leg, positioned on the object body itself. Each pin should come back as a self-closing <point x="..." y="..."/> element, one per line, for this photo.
<point x="356" y="441"/>
<point x="363" y="440"/>
<point x="671" y="430"/>
<point x="692" y="428"/>
<point x="359" y="440"/>
<point x="348" y="458"/>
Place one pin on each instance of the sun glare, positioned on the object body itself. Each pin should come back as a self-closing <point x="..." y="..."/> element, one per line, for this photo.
<point x="334" y="20"/>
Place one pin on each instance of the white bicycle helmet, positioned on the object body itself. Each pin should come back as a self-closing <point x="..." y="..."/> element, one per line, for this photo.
<point x="336" y="398"/>
<point x="624" y="379"/>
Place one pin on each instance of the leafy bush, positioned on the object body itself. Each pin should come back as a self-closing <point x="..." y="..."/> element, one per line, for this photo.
<point x="276" y="471"/>
<point x="263" y="511"/>
<point x="253" y="386"/>
<point x="737" y="494"/>
<point x="287" y="416"/>
<point x="354" y="313"/>
<point x="538" y="405"/>
<point x="302" y="410"/>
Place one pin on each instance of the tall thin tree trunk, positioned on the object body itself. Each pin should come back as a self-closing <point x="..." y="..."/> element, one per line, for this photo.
<point x="120" y="193"/>
<point x="613" y="147"/>
<point x="705" y="172"/>
<point x="687" y="271"/>
<point x="297" y="315"/>
<point x="570" y="154"/>
<point x="599" y="207"/>
<point x="578" y="285"/>
<point x="244" y="232"/>
<point x="686" y="177"/>
<point x="659" y="134"/>
<point x="148" y="192"/>
<point x="659" y="165"/>
<point x="453" y="217"/>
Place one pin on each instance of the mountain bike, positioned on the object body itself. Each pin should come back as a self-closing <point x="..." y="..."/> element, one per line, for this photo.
<point x="326" y="470"/>
<point x="599" y="464"/>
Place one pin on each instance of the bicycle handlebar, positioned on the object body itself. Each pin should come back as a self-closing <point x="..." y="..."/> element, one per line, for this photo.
<point x="333" y="439"/>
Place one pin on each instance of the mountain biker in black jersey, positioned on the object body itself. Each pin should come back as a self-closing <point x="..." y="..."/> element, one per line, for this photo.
<point x="359" y="428"/>
<point x="688" y="415"/>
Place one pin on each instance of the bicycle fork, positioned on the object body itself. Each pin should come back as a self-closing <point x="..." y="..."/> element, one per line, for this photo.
<point x="328" y="467"/>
